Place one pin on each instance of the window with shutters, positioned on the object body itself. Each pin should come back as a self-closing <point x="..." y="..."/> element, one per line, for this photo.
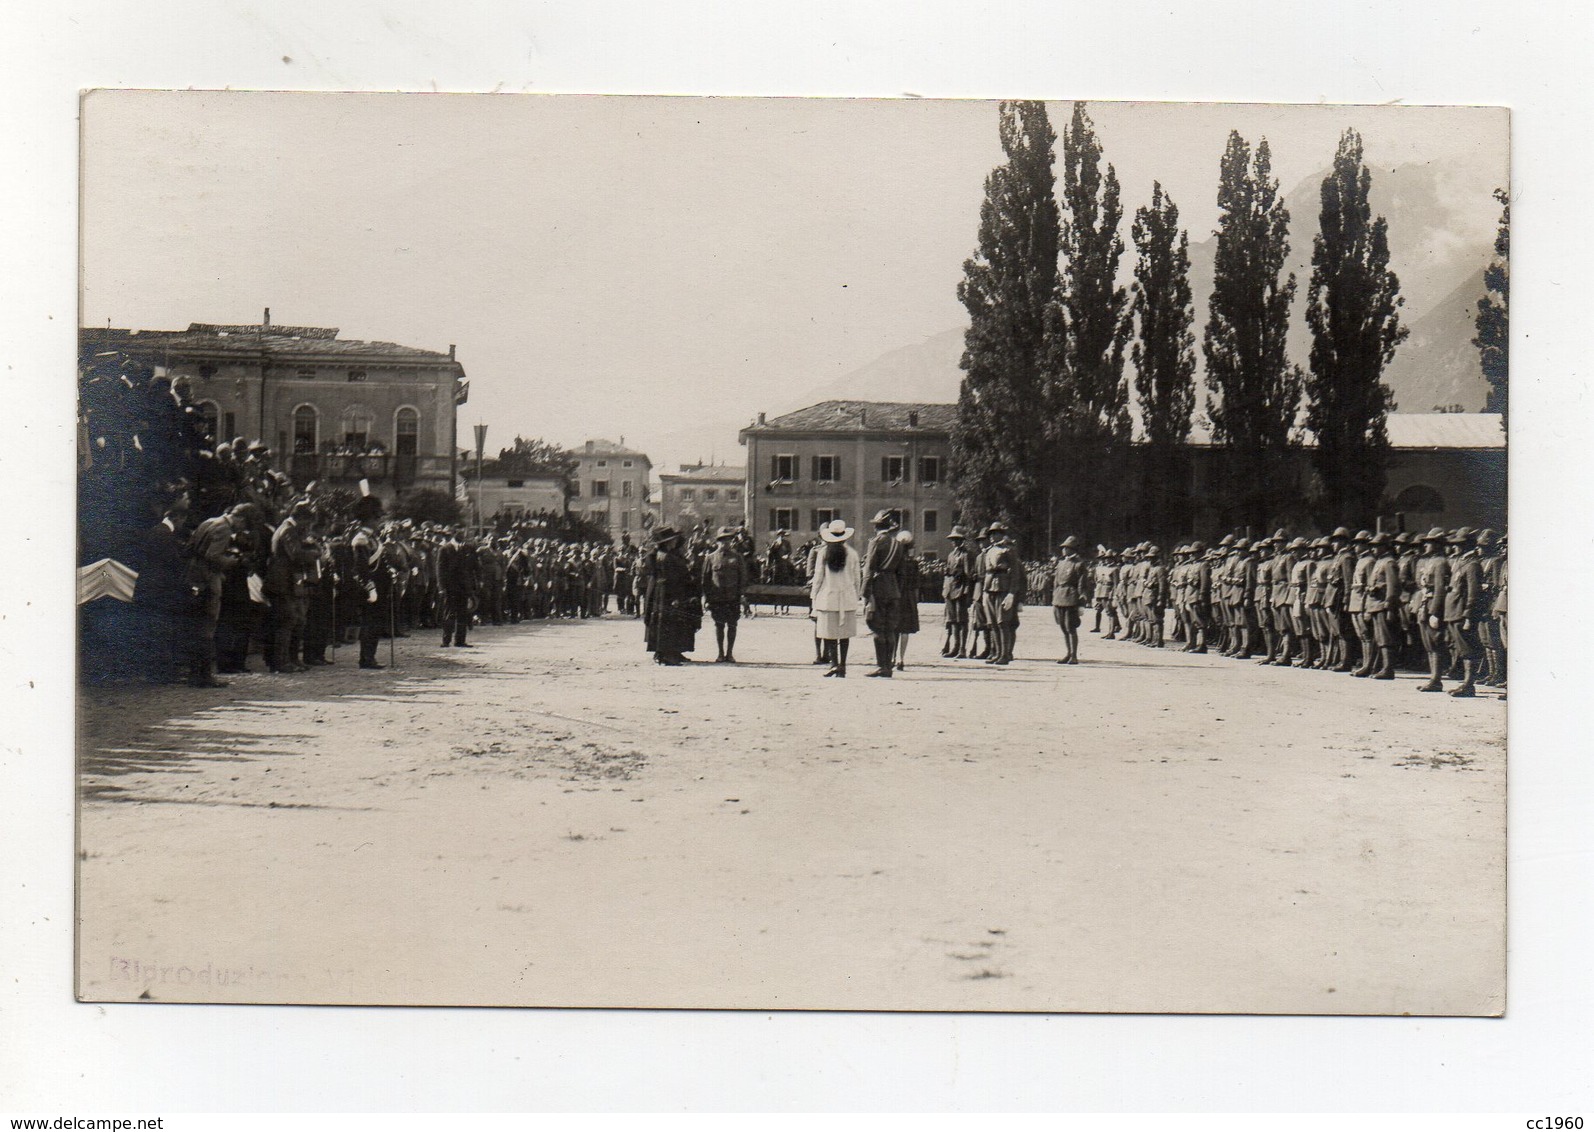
<point x="930" y="469"/>
<point x="932" y="522"/>
<point x="823" y="515"/>
<point x="782" y="518"/>
<point x="783" y="469"/>
<point x="305" y="423"/>
<point x="407" y="432"/>
<point x="827" y="469"/>
<point x="893" y="469"/>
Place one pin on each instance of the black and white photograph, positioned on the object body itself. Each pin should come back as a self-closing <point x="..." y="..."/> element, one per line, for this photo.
<point x="792" y="554"/>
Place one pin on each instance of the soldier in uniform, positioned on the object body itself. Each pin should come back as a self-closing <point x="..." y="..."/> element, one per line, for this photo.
<point x="1003" y="575"/>
<point x="1465" y="605"/>
<point x="957" y="592"/>
<point x="724" y="581"/>
<point x="1428" y="606"/>
<point x="1383" y="604"/>
<point x="1070" y="590"/>
<point x="1362" y="567"/>
<point x="1299" y="573"/>
<point x="882" y="591"/>
<point x="373" y="576"/>
<point x="1104" y="578"/>
<point x="293" y="561"/>
<point x="1491" y="629"/>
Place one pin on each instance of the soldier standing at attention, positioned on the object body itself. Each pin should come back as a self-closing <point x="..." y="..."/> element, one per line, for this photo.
<point x="1356" y="602"/>
<point x="1492" y="562"/>
<point x="1383" y="604"/>
<point x="882" y="591"/>
<point x="979" y="608"/>
<point x="1003" y="576"/>
<point x="1262" y="599"/>
<point x="957" y="590"/>
<point x="1433" y="582"/>
<point x="1070" y="583"/>
<point x="1104" y="577"/>
<point x="1199" y="587"/>
<point x="1300" y="567"/>
<point x="1465" y="605"/>
<point x="724" y="581"/>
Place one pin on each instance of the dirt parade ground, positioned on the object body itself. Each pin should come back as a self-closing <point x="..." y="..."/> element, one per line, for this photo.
<point x="550" y="819"/>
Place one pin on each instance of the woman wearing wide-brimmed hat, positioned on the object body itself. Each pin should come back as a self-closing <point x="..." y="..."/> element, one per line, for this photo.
<point x="836" y="594"/>
<point x="673" y="609"/>
<point x="908" y="613"/>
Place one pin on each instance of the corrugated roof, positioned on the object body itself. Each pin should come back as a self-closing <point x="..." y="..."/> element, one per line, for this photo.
<point x="864" y="416"/>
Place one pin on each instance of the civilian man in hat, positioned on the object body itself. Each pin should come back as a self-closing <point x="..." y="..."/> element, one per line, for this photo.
<point x="459" y="580"/>
<point x="1070" y="590"/>
<point x="957" y="591"/>
<point x="882" y="590"/>
<point x="372" y="578"/>
<point x="724" y="582"/>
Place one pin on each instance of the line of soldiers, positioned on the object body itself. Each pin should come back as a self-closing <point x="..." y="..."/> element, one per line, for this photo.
<point x="983" y="588"/>
<point x="1355" y="603"/>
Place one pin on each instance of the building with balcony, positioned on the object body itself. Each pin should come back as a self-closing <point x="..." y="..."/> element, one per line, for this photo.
<point x="848" y="460"/>
<point x="332" y="409"/>
<point x="612" y="487"/>
<point x="703" y="495"/>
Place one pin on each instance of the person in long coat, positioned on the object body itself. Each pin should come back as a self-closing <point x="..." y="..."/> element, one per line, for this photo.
<point x="908" y="611"/>
<point x="673" y="610"/>
<point x="835" y="594"/>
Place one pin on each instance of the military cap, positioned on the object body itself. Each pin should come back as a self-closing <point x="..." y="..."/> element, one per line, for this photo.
<point x="884" y="517"/>
<point x="957" y="532"/>
<point x="662" y="535"/>
<point x="1227" y="540"/>
<point x="1070" y="542"/>
<point x="1380" y="539"/>
<point x="257" y="446"/>
<point x="726" y="532"/>
<point x="1340" y="532"/>
<point x="1486" y="537"/>
<point x="1363" y="536"/>
<point x="1435" y="535"/>
<point x="1463" y="536"/>
<point x="1403" y="539"/>
<point x="997" y="527"/>
<point x="1198" y="547"/>
<point x="1152" y="551"/>
<point x="1241" y="544"/>
<point x="1297" y="543"/>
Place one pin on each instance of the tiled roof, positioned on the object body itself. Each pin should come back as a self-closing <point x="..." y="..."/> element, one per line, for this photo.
<point x="715" y="473"/>
<point x="864" y="416"/>
<point x="288" y="331"/>
<point x="599" y="447"/>
<point x="219" y="341"/>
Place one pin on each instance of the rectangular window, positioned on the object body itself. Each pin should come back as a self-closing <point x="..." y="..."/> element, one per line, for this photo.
<point x="575" y="489"/>
<point x="929" y="469"/>
<point x="893" y="469"/>
<point x="625" y="520"/>
<point x="625" y="463"/>
<point x="600" y="489"/>
<point x="932" y="522"/>
<point x="904" y="518"/>
<point x="783" y="469"/>
<point x="710" y="494"/>
<point x="356" y="375"/>
<point x="515" y="483"/>
<point x="782" y="518"/>
<point x="625" y="489"/>
<point x="827" y="469"/>
<point x="733" y="495"/>
<point x="603" y="463"/>
<point x="689" y="495"/>
<point x="823" y="515"/>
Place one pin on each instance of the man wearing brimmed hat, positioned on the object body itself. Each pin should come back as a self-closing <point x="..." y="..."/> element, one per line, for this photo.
<point x="979" y="610"/>
<point x="1491" y="629"/>
<point x="672" y="610"/>
<point x="1382" y="604"/>
<point x="1003" y="576"/>
<point x="957" y="592"/>
<point x="724" y="580"/>
<point x="1363" y="563"/>
<point x="1433" y="581"/>
<point x="882" y="590"/>
<point x="1104" y="586"/>
<point x="1070" y="590"/>
<point x="1465" y="605"/>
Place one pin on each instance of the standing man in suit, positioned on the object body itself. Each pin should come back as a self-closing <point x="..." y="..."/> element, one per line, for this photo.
<point x="882" y="591"/>
<point x="373" y="578"/>
<point x="164" y="597"/>
<point x="459" y="582"/>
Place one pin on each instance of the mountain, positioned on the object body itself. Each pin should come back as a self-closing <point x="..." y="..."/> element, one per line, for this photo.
<point x="1441" y="229"/>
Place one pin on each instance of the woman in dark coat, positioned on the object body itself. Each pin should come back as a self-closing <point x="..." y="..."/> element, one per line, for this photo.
<point x="908" y="615"/>
<point x="672" y="608"/>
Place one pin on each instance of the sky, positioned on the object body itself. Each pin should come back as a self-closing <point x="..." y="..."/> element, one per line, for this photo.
<point x="640" y="267"/>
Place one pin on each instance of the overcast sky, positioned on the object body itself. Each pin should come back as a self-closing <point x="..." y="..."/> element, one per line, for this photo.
<point x="620" y="266"/>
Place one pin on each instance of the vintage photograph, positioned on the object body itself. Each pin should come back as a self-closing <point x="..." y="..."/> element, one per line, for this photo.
<point x="792" y="553"/>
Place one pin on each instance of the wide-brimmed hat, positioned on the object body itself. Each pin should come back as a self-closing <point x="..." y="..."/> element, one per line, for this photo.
<point x="662" y="535"/>
<point x="1463" y="536"/>
<point x="957" y="532"/>
<point x="1435" y="535"/>
<point x="835" y="531"/>
<point x="726" y="532"/>
<point x="884" y="517"/>
<point x="1297" y="543"/>
<point x="1340" y="532"/>
<point x="1070" y="542"/>
<point x="1363" y="536"/>
<point x="1381" y="539"/>
<point x="997" y="527"/>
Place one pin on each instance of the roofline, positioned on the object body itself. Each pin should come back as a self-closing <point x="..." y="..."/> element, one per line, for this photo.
<point x="827" y="434"/>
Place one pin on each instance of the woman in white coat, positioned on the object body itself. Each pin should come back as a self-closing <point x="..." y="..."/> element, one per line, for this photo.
<point x="836" y="594"/>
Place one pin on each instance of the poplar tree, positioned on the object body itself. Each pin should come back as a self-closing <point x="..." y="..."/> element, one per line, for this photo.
<point x="1163" y="353"/>
<point x="1353" y="310"/>
<point x="1253" y="391"/>
<point x="1087" y="410"/>
<point x="1493" y="319"/>
<point x="997" y="439"/>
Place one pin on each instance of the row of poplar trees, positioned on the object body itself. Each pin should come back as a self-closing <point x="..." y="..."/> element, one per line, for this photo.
<point x="1043" y="430"/>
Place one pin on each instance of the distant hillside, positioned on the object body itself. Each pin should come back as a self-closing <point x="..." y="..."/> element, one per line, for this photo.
<point x="1441" y="220"/>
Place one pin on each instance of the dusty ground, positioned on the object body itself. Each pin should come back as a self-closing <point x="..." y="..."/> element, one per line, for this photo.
<point x="550" y="819"/>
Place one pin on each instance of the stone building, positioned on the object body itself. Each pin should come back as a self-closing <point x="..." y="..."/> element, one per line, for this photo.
<point x="706" y="495"/>
<point x="612" y="487"/>
<point x="848" y="460"/>
<point x="332" y="409"/>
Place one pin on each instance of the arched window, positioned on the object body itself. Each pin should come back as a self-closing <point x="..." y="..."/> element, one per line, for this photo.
<point x="1420" y="497"/>
<point x="355" y="426"/>
<point x="209" y="415"/>
<point x="407" y="432"/>
<point x="305" y="427"/>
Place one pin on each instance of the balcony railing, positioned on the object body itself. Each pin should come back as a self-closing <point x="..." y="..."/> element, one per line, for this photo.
<point x="386" y="467"/>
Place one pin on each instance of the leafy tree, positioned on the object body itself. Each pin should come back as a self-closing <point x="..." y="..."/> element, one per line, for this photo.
<point x="998" y="439"/>
<point x="540" y="458"/>
<point x="429" y="505"/>
<point x="1163" y="353"/>
<point x="1253" y="391"/>
<point x="1087" y="328"/>
<point x="1353" y="309"/>
<point x="1493" y="319"/>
